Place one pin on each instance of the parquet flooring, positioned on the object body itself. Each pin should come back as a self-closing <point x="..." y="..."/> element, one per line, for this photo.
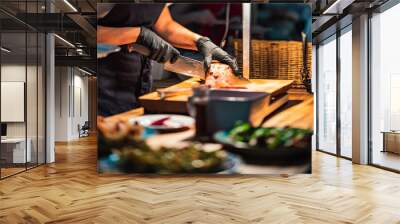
<point x="70" y="191"/>
<point x="10" y="171"/>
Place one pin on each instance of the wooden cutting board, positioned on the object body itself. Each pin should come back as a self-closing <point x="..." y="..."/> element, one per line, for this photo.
<point x="298" y="116"/>
<point x="177" y="104"/>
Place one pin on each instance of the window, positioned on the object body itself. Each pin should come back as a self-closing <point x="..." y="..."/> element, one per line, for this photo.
<point x="327" y="96"/>
<point x="22" y="77"/>
<point x="346" y="92"/>
<point x="385" y="89"/>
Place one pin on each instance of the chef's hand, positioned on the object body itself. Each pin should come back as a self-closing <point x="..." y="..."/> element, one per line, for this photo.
<point x="211" y="51"/>
<point x="161" y="51"/>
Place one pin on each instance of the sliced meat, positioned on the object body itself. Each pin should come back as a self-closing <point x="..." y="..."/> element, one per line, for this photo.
<point x="221" y="76"/>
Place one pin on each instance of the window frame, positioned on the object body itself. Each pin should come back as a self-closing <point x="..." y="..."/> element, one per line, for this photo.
<point x="336" y="35"/>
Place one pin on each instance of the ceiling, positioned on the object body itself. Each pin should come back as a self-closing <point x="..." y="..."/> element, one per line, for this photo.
<point x="72" y="20"/>
<point x="328" y="15"/>
<point x="75" y="22"/>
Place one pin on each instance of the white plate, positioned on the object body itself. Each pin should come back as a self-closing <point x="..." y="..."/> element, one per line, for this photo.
<point x="174" y="121"/>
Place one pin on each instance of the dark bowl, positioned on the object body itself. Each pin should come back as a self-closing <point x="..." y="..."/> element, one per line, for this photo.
<point x="226" y="107"/>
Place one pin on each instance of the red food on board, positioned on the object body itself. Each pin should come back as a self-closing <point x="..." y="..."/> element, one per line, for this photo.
<point x="221" y="76"/>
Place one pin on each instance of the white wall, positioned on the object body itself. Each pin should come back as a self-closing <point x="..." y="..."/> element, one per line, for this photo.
<point x="71" y="102"/>
<point x="62" y="81"/>
<point x="12" y="73"/>
<point x="80" y="110"/>
<point x="33" y="127"/>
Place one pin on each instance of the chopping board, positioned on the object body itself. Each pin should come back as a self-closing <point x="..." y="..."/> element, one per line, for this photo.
<point x="298" y="116"/>
<point x="153" y="103"/>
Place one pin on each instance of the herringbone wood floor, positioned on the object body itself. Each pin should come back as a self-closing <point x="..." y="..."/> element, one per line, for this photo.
<point x="70" y="191"/>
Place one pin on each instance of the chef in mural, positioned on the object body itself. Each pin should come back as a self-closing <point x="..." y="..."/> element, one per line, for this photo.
<point x="123" y="76"/>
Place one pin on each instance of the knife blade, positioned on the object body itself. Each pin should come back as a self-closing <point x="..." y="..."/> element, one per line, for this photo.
<point x="183" y="65"/>
<point x="187" y="66"/>
<point x="165" y="93"/>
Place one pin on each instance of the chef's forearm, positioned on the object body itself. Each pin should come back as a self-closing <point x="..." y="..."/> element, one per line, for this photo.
<point x="174" y="33"/>
<point x="117" y="36"/>
<point x="179" y="36"/>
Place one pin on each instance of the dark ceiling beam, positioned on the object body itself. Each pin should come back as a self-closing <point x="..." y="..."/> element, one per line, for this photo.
<point x="73" y="12"/>
<point x="86" y="51"/>
<point x="337" y="7"/>
<point x="11" y="25"/>
<point x="77" y="61"/>
<point x="16" y="18"/>
<point x="320" y="23"/>
<point x="91" y="5"/>
<point x="332" y="29"/>
<point x="52" y="22"/>
<point x="89" y="29"/>
<point x="329" y="15"/>
<point x="72" y="24"/>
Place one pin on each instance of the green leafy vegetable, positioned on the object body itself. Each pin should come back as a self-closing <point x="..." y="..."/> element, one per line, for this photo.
<point x="270" y="138"/>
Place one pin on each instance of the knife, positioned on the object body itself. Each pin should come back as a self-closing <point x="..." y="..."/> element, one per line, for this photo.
<point x="183" y="65"/>
<point x="165" y="93"/>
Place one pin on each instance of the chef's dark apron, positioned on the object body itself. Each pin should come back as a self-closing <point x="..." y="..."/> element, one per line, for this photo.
<point x="122" y="76"/>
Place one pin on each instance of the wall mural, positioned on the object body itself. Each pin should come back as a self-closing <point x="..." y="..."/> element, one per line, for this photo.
<point x="176" y="96"/>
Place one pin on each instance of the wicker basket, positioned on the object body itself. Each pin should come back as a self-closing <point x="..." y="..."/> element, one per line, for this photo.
<point x="275" y="60"/>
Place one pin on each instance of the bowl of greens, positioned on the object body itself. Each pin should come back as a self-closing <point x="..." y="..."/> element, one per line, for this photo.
<point x="267" y="145"/>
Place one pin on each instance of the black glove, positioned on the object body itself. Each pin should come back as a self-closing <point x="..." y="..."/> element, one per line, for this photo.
<point x="161" y="51"/>
<point x="211" y="51"/>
